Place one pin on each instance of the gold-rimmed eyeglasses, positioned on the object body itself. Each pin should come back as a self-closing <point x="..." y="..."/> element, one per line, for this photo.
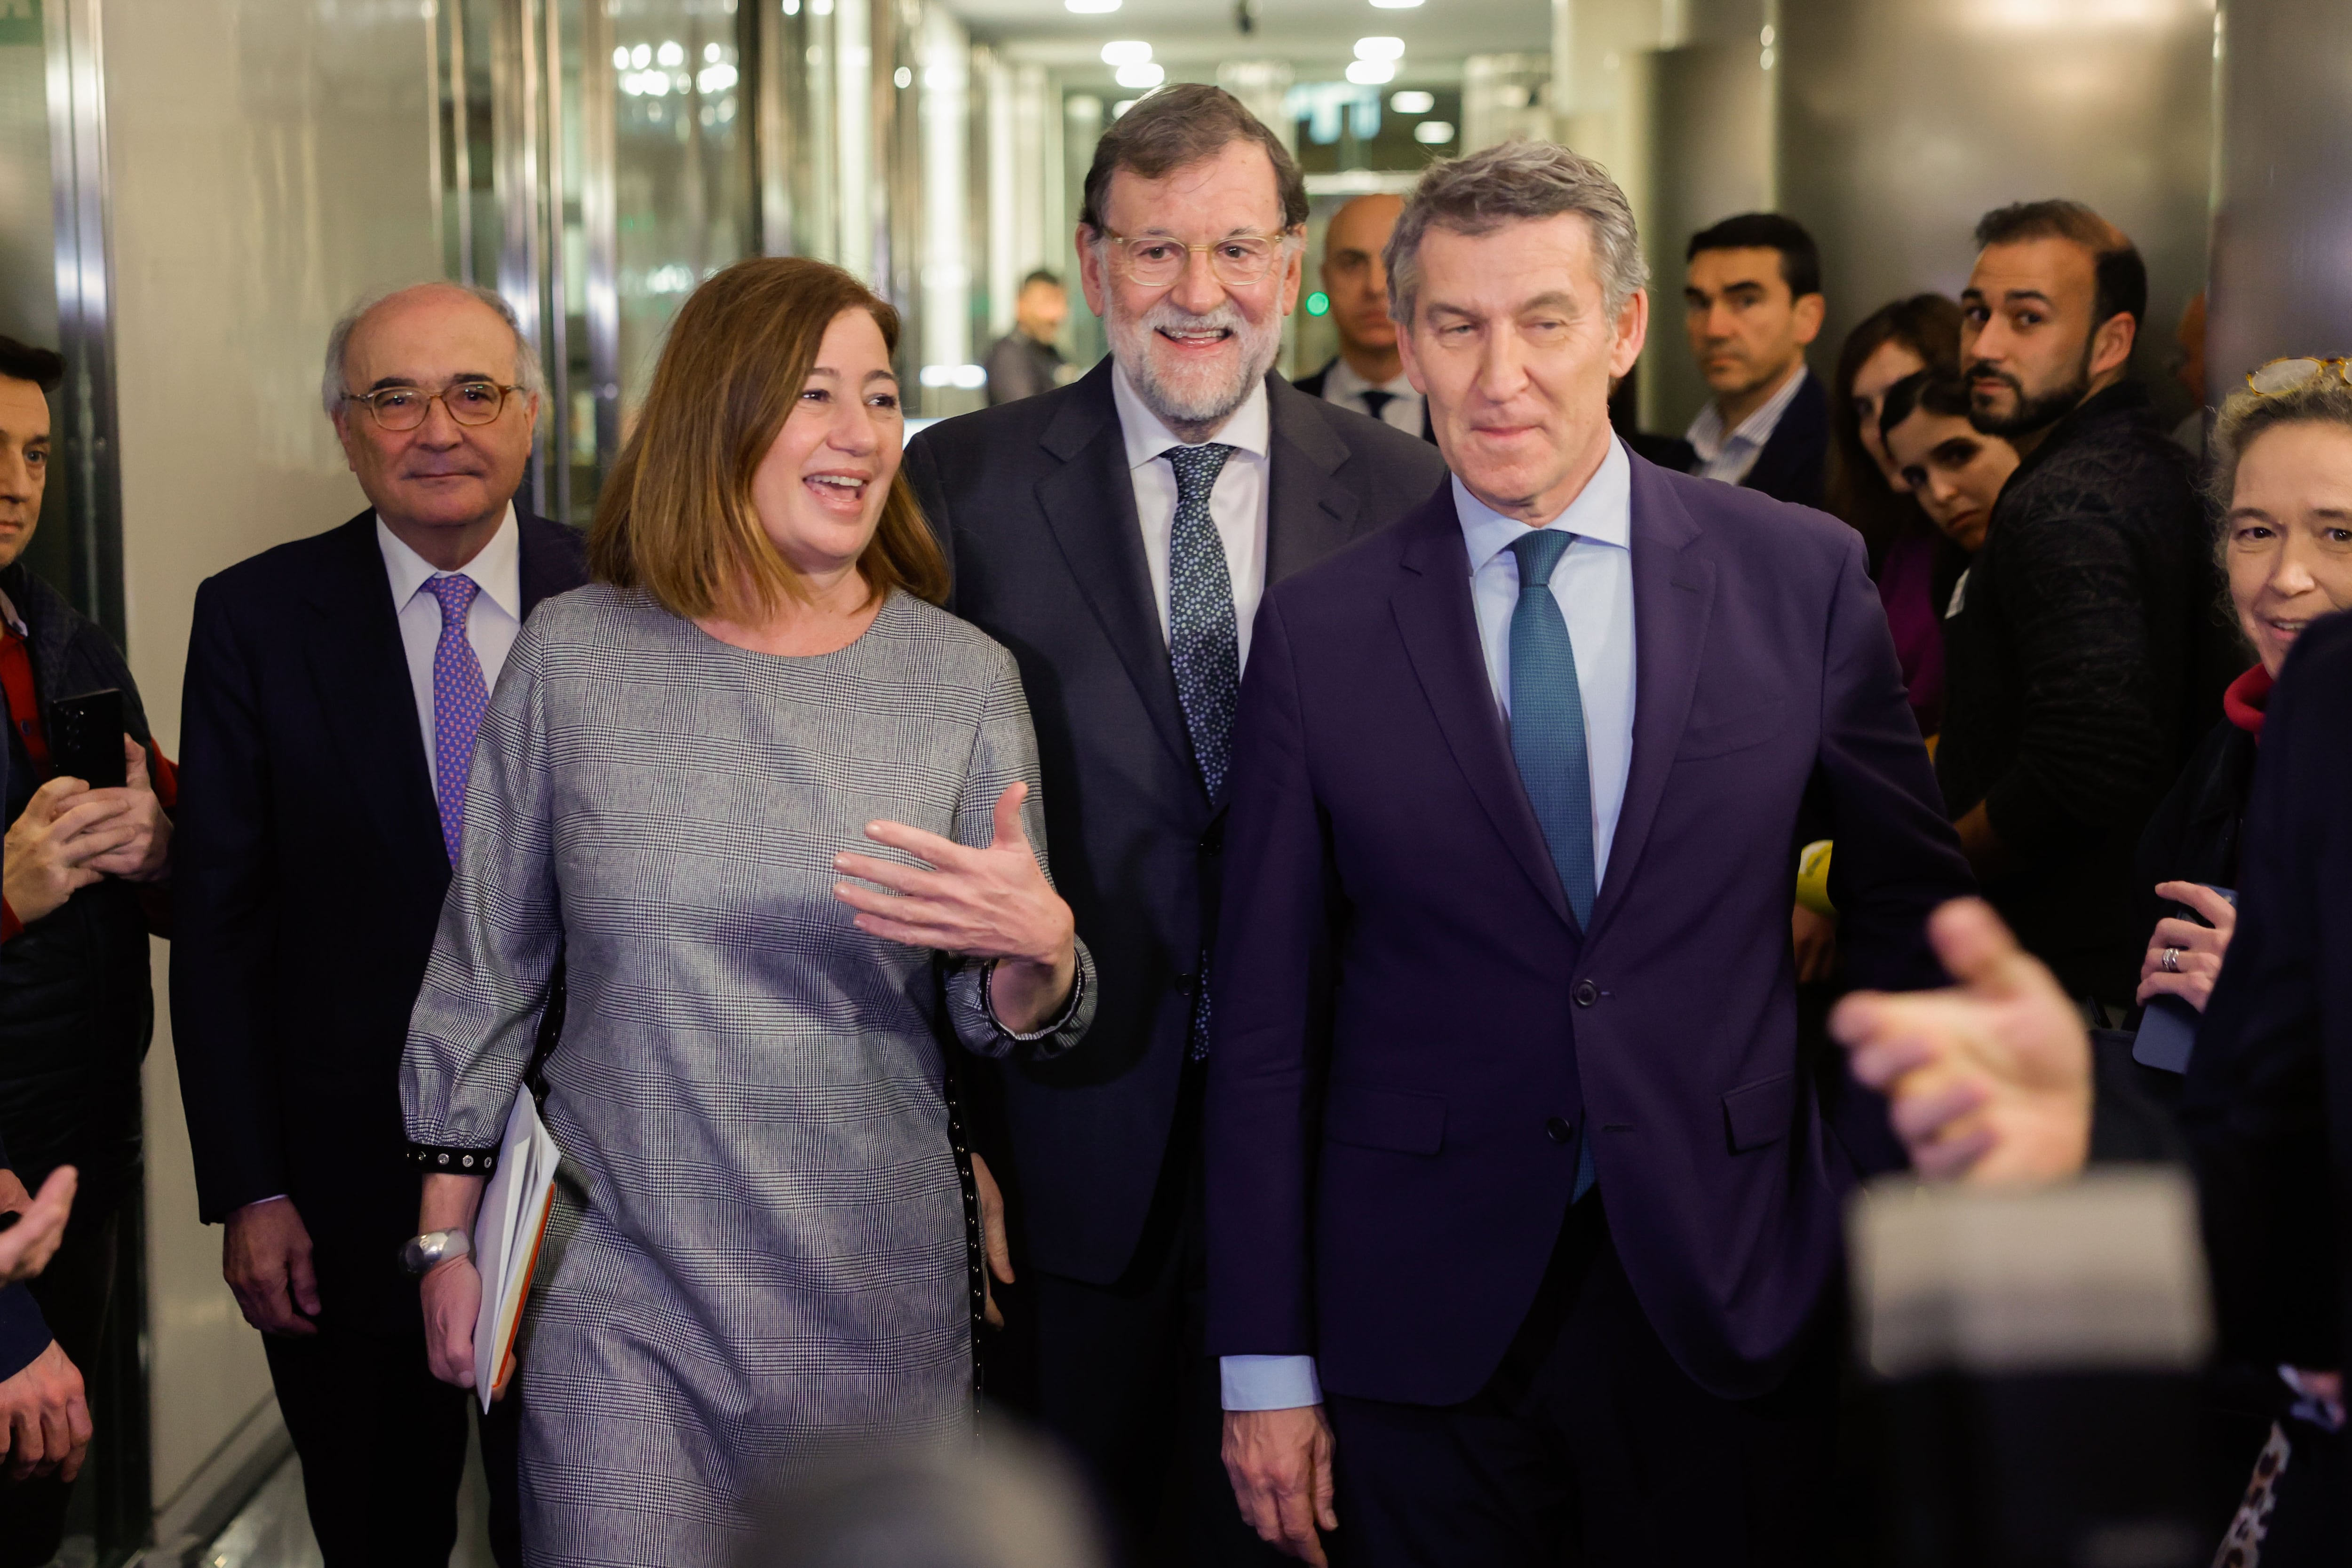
<point x="405" y="408"/>
<point x="1156" y="261"/>
<point x="2287" y="375"/>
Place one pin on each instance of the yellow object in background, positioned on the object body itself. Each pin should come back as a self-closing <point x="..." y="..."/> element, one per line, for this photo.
<point x="1813" y="878"/>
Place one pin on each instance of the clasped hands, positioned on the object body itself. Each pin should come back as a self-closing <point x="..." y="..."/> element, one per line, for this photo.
<point x="44" y="1411"/>
<point x="992" y="902"/>
<point x="71" y="836"/>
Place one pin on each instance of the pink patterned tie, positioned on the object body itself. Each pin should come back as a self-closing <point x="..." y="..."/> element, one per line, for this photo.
<point x="459" y="699"/>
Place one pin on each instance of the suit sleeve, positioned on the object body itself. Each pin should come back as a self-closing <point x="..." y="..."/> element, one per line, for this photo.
<point x="2254" y="1103"/>
<point x="224" y="917"/>
<point x="1897" y="857"/>
<point x="1269" y="982"/>
<point x="922" y="471"/>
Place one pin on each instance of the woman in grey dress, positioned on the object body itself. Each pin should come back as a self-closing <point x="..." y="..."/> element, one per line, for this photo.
<point x="773" y="1233"/>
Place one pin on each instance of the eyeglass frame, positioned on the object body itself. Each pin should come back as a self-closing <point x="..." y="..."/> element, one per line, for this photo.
<point x="2340" y="363"/>
<point x="1282" y="240"/>
<point x="441" y="397"/>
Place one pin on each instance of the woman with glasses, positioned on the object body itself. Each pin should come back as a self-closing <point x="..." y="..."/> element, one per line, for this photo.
<point x="775" y="813"/>
<point x="2281" y="453"/>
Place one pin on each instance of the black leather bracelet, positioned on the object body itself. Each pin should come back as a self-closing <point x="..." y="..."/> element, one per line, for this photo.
<point x="449" y="1161"/>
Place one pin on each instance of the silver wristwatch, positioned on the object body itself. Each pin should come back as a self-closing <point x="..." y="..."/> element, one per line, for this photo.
<point x="423" y="1254"/>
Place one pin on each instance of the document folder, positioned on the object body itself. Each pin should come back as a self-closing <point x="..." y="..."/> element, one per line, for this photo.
<point x="507" y="1234"/>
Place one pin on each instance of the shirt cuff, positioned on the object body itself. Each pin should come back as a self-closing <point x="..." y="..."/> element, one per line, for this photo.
<point x="1270" y="1382"/>
<point x="10" y="926"/>
<point x="1051" y="1026"/>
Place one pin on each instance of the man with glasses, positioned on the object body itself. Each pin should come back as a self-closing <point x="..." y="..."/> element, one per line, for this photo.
<point x="334" y="688"/>
<point x="1116" y="534"/>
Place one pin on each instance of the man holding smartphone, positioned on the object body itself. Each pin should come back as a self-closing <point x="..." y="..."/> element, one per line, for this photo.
<point x="77" y="903"/>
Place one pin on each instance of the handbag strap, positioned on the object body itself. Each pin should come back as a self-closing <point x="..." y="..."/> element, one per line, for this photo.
<point x="551" y="1032"/>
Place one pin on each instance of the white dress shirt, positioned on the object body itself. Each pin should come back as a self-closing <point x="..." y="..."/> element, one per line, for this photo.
<point x="1236" y="505"/>
<point x="491" y="624"/>
<point x="1729" y="457"/>
<point x="1593" y="584"/>
<point x="1343" y="386"/>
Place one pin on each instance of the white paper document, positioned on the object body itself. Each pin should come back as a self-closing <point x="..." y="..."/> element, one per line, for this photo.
<point x="506" y="1232"/>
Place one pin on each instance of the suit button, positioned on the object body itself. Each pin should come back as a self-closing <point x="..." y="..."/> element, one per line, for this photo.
<point x="1213" y="841"/>
<point x="1558" y="1130"/>
<point x="1188" y="983"/>
<point x="1586" y="993"/>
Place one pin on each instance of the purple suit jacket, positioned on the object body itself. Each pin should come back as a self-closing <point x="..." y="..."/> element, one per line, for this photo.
<point x="1405" y="1008"/>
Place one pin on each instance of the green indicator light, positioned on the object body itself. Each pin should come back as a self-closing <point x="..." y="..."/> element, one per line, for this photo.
<point x="1319" y="304"/>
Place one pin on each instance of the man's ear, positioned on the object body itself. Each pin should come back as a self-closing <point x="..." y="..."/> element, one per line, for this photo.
<point x="2111" y="345"/>
<point x="1633" y="331"/>
<point x="1809" y="311"/>
<point x="1090" y="269"/>
<point x="1412" y="361"/>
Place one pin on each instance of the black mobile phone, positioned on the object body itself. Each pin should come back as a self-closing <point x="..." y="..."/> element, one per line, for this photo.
<point x="2168" y="1029"/>
<point x="86" y="738"/>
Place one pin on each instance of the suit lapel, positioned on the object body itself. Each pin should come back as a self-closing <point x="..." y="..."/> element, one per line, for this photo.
<point x="362" y="671"/>
<point x="1674" y="594"/>
<point x="1431" y="605"/>
<point x="1089" y="504"/>
<point x="1308" y="513"/>
<point x="543" y="570"/>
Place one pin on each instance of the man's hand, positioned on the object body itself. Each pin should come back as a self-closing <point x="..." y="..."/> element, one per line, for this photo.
<point x="452" y="1293"/>
<point x="145" y="855"/>
<point x="47" y="1418"/>
<point x="266" y="1258"/>
<point x="1815" y="937"/>
<point x="1990" y="1081"/>
<point x="2201" y="949"/>
<point x="992" y="1240"/>
<point x="49" y="850"/>
<point x="1280" y="1464"/>
<point x="26" y="1247"/>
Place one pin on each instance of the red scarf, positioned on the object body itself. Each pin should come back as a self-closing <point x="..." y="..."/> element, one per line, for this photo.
<point x="2244" y="701"/>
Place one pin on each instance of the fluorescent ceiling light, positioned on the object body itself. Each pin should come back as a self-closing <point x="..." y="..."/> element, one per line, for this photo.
<point x="1146" y="75"/>
<point x="1433" y="132"/>
<point x="1127" y="52"/>
<point x="1090" y="8"/>
<point x="1380" y="48"/>
<point x="1395" y="5"/>
<point x="1371" y="73"/>
<point x="1411" y="102"/>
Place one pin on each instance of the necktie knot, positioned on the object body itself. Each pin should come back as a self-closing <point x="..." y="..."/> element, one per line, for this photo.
<point x="1539" y="550"/>
<point x="1375" y="400"/>
<point x="1197" y="468"/>
<point x="456" y="591"/>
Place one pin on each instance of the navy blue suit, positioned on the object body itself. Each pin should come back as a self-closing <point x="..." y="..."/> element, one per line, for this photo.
<point x="1413" y="1034"/>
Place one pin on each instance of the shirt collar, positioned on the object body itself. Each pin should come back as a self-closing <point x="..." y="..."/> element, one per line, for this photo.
<point x="1602" y="512"/>
<point x="1146" y="437"/>
<point x="1706" y="435"/>
<point x="10" y="618"/>
<point x="1343" y="379"/>
<point x="496" y="569"/>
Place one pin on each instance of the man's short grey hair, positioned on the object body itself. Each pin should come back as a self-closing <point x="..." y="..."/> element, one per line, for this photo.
<point x="331" y="388"/>
<point x="1517" y="182"/>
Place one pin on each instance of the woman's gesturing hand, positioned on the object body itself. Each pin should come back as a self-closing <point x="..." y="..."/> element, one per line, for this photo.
<point x="2197" y="950"/>
<point x="992" y="902"/>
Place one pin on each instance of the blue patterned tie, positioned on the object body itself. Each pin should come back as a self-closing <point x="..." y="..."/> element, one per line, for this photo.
<point x="1548" y="741"/>
<point x="1203" y="642"/>
<point x="459" y="699"/>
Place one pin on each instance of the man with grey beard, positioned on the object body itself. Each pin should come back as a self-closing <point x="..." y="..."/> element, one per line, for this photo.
<point x="1115" y="535"/>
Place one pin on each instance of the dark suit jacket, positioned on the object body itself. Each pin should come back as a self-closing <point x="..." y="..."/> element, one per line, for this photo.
<point x="1794" y="464"/>
<point x="308" y="872"/>
<point x="1036" y="508"/>
<point x="2267" y="1109"/>
<point x="1411" y="1033"/>
<point x="1313" y="387"/>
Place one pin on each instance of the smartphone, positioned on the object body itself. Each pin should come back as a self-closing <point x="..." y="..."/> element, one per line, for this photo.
<point x="86" y="738"/>
<point x="2168" y="1029"/>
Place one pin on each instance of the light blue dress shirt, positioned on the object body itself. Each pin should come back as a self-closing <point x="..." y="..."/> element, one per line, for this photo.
<point x="1594" y="585"/>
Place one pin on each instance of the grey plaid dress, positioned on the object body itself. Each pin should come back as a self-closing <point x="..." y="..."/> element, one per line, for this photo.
<point x="766" y="1248"/>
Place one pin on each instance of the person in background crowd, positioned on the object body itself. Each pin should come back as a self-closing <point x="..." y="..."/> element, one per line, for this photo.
<point x="77" y="898"/>
<point x="333" y="686"/>
<point x="1366" y="374"/>
<point x="1025" y="361"/>
<point x="772" y="1249"/>
<point x="1751" y="302"/>
<point x="1118" y="535"/>
<point x="1952" y="469"/>
<point x="1913" y="570"/>
<point x="2076" y="659"/>
<point x="1506" y="1084"/>
<point x="1998" y="1081"/>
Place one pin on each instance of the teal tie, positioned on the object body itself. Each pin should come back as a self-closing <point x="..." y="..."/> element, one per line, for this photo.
<point x="1548" y="742"/>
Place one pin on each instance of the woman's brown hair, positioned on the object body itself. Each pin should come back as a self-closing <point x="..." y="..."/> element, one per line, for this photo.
<point x="676" y="518"/>
<point x="1929" y="326"/>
